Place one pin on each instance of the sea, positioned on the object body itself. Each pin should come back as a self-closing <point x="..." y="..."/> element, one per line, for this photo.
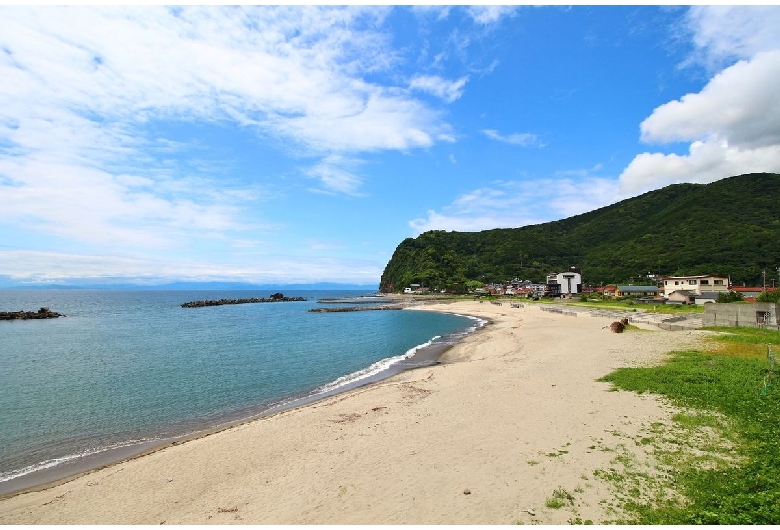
<point x="126" y="370"/>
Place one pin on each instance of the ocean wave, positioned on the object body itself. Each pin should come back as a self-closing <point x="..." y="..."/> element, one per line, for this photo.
<point x="372" y="370"/>
<point x="5" y="476"/>
<point x="384" y="364"/>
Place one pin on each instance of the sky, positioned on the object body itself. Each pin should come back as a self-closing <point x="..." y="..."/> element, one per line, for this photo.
<point x="275" y="144"/>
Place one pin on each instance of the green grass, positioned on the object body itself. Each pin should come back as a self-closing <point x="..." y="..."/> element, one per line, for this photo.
<point x="724" y="456"/>
<point x="559" y="499"/>
<point x="608" y="303"/>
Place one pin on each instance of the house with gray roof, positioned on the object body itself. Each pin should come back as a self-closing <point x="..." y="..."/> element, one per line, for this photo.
<point x="636" y="290"/>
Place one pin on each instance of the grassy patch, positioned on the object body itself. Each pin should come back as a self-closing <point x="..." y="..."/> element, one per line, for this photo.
<point x="630" y="305"/>
<point x="559" y="499"/>
<point x="722" y="454"/>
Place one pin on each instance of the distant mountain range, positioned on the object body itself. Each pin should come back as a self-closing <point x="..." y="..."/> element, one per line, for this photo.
<point x="729" y="227"/>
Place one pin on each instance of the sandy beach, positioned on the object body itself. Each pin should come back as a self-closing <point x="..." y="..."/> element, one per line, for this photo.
<point x="512" y="413"/>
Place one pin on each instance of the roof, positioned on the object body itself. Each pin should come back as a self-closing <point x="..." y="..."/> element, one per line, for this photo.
<point x="637" y="288"/>
<point x="711" y="295"/>
<point x="752" y="289"/>
<point x="683" y="292"/>
<point x="694" y="277"/>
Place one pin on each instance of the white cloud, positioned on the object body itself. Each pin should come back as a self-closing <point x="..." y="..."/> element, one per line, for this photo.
<point x="84" y="87"/>
<point x="90" y="205"/>
<point x="53" y="267"/>
<point x="489" y="14"/>
<point x="336" y="174"/>
<point x="522" y="139"/>
<point x="724" y="33"/>
<point x="510" y="204"/>
<point x="705" y="162"/>
<point x="449" y="91"/>
<point x="740" y="104"/>
<point x="732" y="124"/>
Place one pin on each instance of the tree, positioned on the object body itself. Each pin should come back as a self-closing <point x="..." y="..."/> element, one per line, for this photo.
<point x="773" y="297"/>
<point x="730" y="297"/>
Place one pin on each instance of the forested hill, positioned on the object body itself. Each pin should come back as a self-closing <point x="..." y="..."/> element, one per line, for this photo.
<point x="729" y="227"/>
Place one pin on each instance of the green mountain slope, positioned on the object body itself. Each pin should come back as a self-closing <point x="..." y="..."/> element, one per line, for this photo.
<point x="729" y="227"/>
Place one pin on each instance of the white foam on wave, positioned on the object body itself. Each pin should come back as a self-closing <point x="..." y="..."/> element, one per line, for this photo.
<point x="5" y="476"/>
<point x="386" y="363"/>
<point x="478" y="323"/>
<point x="372" y="370"/>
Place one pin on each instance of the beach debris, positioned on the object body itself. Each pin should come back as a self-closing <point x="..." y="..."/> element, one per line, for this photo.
<point x="467" y="492"/>
<point x="227" y="510"/>
<point x="348" y="418"/>
<point x="530" y="512"/>
<point x="617" y="327"/>
<point x="170" y="479"/>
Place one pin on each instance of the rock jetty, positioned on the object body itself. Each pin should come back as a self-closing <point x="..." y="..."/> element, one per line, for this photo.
<point x="277" y="297"/>
<point x="350" y="309"/>
<point x="43" y="312"/>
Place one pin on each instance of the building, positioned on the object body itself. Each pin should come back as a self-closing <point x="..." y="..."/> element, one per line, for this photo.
<point x="695" y="284"/>
<point x="564" y="283"/>
<point x="636" y="290"/>
<point x="751" y="293"/>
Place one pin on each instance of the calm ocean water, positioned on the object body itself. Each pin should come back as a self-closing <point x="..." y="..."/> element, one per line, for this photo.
<point x="133" y="366"/>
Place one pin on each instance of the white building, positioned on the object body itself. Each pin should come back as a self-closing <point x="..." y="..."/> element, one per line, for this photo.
<point x="569" y="282"/>
<point x="695" y="285"/>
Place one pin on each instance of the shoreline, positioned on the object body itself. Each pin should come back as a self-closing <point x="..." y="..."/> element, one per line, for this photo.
<point x="423" y="355"/>
<point x="466" y="441"/>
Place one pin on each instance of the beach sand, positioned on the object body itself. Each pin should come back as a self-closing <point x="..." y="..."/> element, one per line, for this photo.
<point x="511" y="414"/>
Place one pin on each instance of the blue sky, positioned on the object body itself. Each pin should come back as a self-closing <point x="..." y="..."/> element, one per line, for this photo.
<point x="302" y="144"/>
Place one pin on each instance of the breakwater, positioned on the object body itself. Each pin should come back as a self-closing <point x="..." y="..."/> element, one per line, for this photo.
<point x="232" y="301"/>
<point x="352" y="309"/>
<point x="43" y="312"/>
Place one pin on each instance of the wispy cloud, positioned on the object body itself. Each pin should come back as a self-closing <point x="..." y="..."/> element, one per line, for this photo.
<point x="722" y="34"/>
<point x="490" y="14"/>
<point x="40" y="268"/>
<point x="522" y="139"/>
<point x="337" y="174"/>
<point x="86" y="92"/>
<point x="511" y="204"/>
<point x="449" y="91"/>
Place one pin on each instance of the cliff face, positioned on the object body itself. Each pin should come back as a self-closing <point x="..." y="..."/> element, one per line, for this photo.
<point x="729" y="227"/>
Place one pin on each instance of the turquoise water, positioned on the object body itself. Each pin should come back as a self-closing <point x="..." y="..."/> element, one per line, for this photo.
<point x="132" y="366"/>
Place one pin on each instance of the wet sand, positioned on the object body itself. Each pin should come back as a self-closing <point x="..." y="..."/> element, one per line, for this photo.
<point x="484" y="437"/>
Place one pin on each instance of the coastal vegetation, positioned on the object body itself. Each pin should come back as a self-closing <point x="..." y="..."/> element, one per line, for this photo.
<point x="728" y="227"/>
<point x="720" y="459"/>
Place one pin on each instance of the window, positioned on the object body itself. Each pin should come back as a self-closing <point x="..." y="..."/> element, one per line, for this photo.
<point x="705" y="282"/>
<point x="718" y="282"/>
<point x="676" y="282"/>
<point x="691" y="282"/>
